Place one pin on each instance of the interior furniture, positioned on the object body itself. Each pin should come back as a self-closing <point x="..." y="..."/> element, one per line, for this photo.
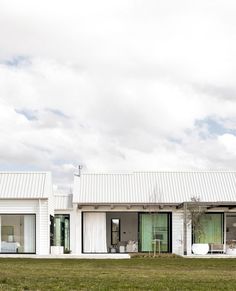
<point x="9" y="247"/>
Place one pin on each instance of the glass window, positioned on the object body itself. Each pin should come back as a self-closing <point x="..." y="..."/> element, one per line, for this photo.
<point x="17" y="234"/>
<point x="212" y="229"/>
<point x="62" y="231"/>
<point x="115" y="231"/>
<point x="154" y="229"/>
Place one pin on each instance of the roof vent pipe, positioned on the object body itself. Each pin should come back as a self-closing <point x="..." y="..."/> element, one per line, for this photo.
<point x="78" y="174"/>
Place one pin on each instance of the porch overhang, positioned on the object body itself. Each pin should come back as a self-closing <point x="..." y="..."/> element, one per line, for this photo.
<point x="209" y="205"/>
<point x="128" y="206"/>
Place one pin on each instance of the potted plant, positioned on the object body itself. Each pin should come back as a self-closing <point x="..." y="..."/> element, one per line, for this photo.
<point x="231" y="247"/>
<point x="196" y="213"/>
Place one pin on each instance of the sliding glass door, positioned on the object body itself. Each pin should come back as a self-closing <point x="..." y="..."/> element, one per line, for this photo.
<point x="155" y="230"/>
<point x="17" y="233"/>
<point x="211" y="225"/>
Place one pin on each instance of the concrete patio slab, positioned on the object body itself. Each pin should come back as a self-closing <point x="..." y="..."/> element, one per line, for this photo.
<point x="210" y="256"/>
<point x="68" y="256"/>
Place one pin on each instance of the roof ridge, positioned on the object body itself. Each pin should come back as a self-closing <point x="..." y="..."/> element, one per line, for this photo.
<point x="155" y="172"/>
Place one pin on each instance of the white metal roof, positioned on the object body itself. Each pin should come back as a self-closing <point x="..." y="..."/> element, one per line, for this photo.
<point x="155" y="187"/>
<point x="25" y="185"/>
<point x="63" y="202"/>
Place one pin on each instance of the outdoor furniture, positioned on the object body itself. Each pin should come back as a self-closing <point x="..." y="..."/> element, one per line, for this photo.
<point x="122" y="249"/>
<point x="155" y="242"/>
<point x="112" y="249"/>
<point x="231" y="247"/>
<point x="217" y="248"/>
<point x="132" y="246"/>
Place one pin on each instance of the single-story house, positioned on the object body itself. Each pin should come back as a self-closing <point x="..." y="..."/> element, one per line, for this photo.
<point x="117" y="212"/>
<point x="147" y="211"/>
<point x="26" y="205"/>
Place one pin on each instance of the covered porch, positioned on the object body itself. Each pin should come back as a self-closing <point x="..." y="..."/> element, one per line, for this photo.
<point x="126" y="232"/>
<point x="217" y="230"/>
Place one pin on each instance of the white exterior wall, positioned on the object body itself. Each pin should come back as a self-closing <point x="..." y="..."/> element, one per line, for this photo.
<point x="40" y="209"/>
<point x="18" y="206"/>
<point x="78" y="231"/>
<point x="51" y="205"/>
<point x="49" y="194"/>
<point x="178" y="232"/>
<point x="42" y="228"/>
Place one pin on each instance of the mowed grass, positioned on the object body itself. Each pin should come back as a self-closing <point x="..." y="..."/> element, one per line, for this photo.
<point x="161" y="273"/>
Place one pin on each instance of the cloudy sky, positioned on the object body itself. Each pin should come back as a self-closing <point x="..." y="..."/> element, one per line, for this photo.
<point x="117" y="85"/>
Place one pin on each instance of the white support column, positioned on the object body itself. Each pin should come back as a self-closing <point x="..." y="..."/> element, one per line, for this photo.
<point x="38" y="229"/>
<point x="78" y="231"/>
<point x="224" y="228"/>
<point x="185" y="230"/>
<point x="178" y="232"/>
<point x="189" y="238"/>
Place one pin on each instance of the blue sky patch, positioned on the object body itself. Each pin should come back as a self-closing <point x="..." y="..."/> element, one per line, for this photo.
<point x="214" y="126"/>
<point x="57" y="112"/>
<point x="30" y="115"/>
<point x="17" y="61"/>
<point x="18" y="167"/>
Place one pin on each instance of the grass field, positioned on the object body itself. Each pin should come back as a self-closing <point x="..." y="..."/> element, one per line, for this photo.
<point x="162" y="273"/>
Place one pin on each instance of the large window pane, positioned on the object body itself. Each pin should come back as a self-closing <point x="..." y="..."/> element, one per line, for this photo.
<point x="154" y="229"/>
<point x="212" y="229"/>
<point x="17" y="234"/>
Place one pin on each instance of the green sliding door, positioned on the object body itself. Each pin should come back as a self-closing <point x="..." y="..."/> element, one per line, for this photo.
<point x="212" y="229"/>
<point x="154" y="228"/>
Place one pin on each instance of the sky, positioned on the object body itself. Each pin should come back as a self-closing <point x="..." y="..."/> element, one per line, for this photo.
<point x="117" y="86"/>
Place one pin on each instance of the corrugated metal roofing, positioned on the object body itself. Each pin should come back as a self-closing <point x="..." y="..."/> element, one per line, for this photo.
<point x="155" y="187"/>
<point x="63" y="202"/>
<point x="25" y="185"/>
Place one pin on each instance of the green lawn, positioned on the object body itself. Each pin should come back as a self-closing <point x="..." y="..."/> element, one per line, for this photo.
<point x="162" y="273"/>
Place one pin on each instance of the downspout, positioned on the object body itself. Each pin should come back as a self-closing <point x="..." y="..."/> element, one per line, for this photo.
<point x="185" y="228"/>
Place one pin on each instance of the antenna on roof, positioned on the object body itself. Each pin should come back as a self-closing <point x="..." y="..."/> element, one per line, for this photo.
<point x="78" y="174"/>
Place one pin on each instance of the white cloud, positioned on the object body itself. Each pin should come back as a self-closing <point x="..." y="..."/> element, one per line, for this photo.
<point x="117" y="85"/>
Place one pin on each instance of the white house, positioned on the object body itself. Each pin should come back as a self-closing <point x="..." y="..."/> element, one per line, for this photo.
<point x="117" y="212"/>
<point x="142" y="211"/>
<point x="26" y="204"/>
